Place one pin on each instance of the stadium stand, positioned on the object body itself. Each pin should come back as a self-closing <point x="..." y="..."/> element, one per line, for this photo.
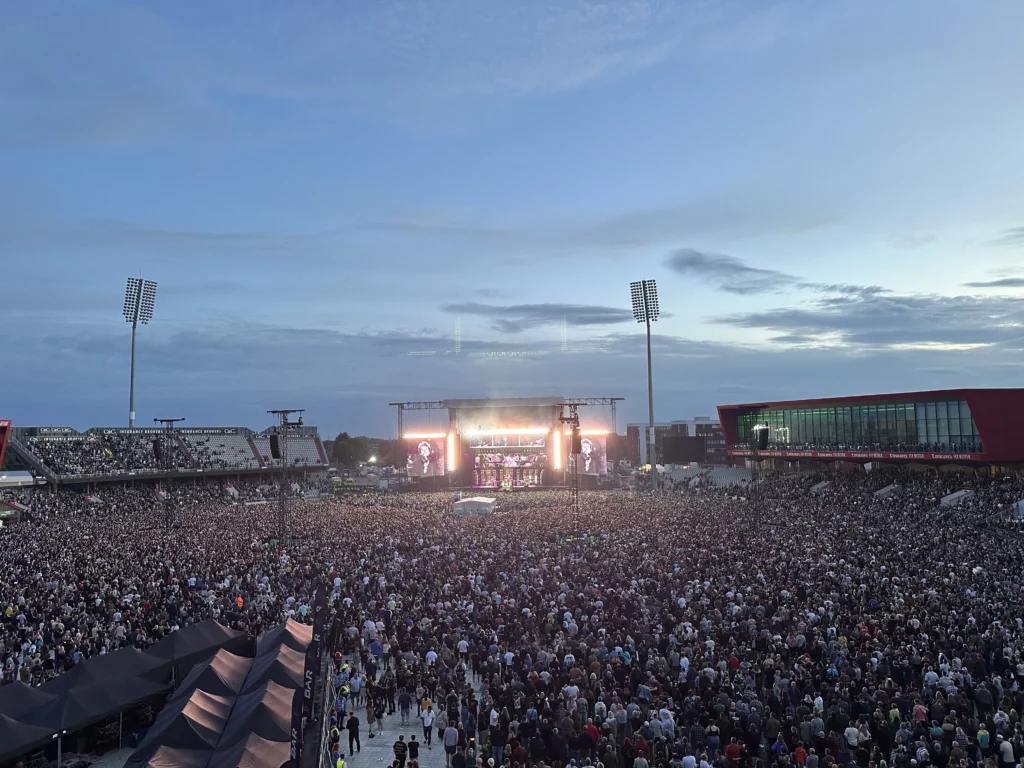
<point x="303" y="450"/>
<point x="62" y="454"/>
<point x="90" y="454"/>
<point x="222" y="451"/>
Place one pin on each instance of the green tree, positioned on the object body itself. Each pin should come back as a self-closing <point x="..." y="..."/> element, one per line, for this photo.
<point x="342" y="449"/>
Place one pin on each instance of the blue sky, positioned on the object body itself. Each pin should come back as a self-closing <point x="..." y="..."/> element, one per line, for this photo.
<point x="829" y="194"/>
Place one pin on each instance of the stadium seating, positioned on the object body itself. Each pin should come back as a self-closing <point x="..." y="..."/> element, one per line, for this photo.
<point x="95" y="454"/>
<point x="221" y="451"/>
<point x="67" y="455"/>
<point x="302" y="451"/>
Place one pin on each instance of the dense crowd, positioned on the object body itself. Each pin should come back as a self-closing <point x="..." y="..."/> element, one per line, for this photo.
<point x="121" y="454"/>
<point x="691" y="628"/>
<point x="91" y="454"/>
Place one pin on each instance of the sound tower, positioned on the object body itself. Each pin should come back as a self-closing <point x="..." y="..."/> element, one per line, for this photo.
<point x="275" y="447"/>
<point x="158" y="450"/>
<point x="576" y="442"/>
<point x="762" y="438"/>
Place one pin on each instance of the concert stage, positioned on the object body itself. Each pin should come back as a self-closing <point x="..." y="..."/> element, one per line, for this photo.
<point x="509" y="443"/>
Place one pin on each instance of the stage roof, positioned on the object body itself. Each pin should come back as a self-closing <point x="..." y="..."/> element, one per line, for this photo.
<point x="504" y="402"/>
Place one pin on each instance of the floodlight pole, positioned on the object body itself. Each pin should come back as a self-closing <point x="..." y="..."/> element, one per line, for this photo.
<point x="651" y="442"/>
<point x="139" y="296"/>
<point x="135" y="326"/>
<point x="645" y="309"/>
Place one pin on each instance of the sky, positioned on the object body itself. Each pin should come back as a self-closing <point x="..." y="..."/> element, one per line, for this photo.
<point x="346" y="204"/>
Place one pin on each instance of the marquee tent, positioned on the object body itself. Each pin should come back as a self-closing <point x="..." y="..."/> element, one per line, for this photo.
<point x="477" y="505"/>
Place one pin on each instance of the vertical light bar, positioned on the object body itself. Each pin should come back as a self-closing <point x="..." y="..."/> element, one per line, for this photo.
<point x="557" y="443"/>
<point x="451" y="452"/>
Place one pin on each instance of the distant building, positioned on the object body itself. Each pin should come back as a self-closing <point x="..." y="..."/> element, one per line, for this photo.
<point x="952" y="426"/>
<point x="699" y="426"/>
<point x="637" y="437"/>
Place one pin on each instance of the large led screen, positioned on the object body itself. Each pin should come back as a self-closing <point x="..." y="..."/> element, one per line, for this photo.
<point x="593" y="456"/>
<point x="425" y="457"/>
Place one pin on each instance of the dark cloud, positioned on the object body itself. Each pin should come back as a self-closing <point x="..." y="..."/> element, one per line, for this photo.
<point x="735" y="276"/>
<point x="845" y="288"/>
<point x="232" y="375"/>
<point x="516" y="318"/>
<point x="728" y="273"/>
<point x="1009" y="237"/>
<point x="1003" y="282"/>
<point x="889" y="320"/>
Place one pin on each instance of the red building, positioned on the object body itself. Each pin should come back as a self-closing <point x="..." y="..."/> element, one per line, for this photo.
<point x="5" y="430"/>
<point x="962" y="426"/>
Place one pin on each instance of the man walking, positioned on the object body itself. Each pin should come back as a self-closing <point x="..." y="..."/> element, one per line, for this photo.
<point x="353" y="734"/>
<point x="451" y="741"/>
<point x="428" y="725"/>
<point x="404" y="705"/>
<point x="401" y="750"/>
<point x="414" y="749"/>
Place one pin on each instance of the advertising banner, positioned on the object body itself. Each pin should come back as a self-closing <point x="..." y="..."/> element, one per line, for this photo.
<point x="860" y="455"/>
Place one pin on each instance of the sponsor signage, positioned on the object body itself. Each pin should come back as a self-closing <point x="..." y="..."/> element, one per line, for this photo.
<point x="181" y="431"/>
<point x="860" y="455"/>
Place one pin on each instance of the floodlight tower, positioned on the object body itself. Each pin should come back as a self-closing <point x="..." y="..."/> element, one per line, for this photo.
<point x="645" y="309"/>
<point x="139" y="298"/>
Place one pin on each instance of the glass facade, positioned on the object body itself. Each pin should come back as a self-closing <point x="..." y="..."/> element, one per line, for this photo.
<point x="944" y="425"/>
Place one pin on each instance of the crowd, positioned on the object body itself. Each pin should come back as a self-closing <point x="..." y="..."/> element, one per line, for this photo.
<point x="121" y="454"/>
<point x="693" y="628"/>
<point x="113" y="454"/>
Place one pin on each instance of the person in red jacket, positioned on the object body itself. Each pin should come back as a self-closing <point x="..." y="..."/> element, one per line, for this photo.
<point x="734" y="752"/>
<point x="800" y="754"/>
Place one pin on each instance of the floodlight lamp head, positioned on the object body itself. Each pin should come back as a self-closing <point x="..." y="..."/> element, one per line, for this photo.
<point x="636" y="293"/>
<point x="644" y="294"/>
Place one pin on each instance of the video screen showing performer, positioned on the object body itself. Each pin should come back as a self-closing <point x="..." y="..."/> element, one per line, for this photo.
<point x="593" y="456"/>
<point x="425" y="457"/>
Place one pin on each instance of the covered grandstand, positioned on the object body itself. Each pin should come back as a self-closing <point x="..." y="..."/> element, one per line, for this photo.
<point x="64" y="455"/>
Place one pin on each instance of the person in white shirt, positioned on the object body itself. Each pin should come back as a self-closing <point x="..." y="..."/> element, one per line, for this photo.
<point x="427" y="716"/>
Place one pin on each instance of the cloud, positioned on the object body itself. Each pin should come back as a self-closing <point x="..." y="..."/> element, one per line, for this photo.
<point x="520" y="317"/>
<point x="887" y="320"/>
<point x="1013" y="236"/>
<point x="728" y="273"/>
<point x="914" y="242"/>
<point x="119" y="74"/>
<point x="734" y="276"/>
<point x="1003" y="282"/>
<point x="232" y="375"/>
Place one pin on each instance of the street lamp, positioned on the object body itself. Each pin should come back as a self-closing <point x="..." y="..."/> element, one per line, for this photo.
<point x="139" y="298"/>
<point x="645" y="310"/>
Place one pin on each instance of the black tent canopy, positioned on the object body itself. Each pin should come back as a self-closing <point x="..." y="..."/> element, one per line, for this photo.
<point x="16" y="699"/>
<point x="17" y="738"/>
<point x="240" y="709"/>
<point x="189" y="645"/>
